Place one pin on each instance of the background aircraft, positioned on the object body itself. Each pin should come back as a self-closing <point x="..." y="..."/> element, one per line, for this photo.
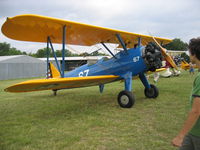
<point x="186" y="66"/>
<point x="139" y="55"/>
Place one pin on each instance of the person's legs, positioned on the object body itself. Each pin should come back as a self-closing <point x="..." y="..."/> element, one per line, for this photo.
<point x="196" y="142"/>
<point x="187" y="143"/>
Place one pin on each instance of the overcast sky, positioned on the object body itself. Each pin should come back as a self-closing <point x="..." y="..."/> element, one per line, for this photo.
<point x="161" y="18"/>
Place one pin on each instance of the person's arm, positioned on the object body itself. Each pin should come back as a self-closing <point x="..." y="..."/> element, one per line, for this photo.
<point x="189" y="123"/>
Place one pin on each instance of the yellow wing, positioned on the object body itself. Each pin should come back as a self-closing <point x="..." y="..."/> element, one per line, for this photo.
<point x="60" y="83"/>
<point x="37" y="28"/>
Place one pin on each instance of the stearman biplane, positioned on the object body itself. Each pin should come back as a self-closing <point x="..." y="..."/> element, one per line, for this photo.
<point x="139" y="55"/>
<point x="186" y="66"/>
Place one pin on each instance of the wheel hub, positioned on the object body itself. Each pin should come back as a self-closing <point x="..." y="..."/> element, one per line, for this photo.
<point x="151" y="91"/>
<point x="124" y="100"/>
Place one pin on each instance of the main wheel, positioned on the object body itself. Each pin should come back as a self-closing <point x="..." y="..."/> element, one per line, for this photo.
<point x="152" y="92"/>
<point x="126" y="99"/>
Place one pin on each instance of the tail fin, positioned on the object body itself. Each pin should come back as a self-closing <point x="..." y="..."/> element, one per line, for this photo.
<point x="54" y="71"/>
<point x="184" y="65"/>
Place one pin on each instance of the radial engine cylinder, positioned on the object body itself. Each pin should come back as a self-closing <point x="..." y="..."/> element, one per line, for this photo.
<point x="152" y="56"/>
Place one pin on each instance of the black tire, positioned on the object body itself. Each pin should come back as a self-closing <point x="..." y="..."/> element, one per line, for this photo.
<point x="126" y="99"/>
<point x="55" y="92"/>
<point x="152" y="92"/>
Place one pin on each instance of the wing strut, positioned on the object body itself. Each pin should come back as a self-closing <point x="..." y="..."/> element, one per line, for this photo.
<point x="108" y="50"/>
<point x="139" y="41"/>
<point x="63" y="51"/>
<point x="49" y="43"/>
<point x="121" y="42"/>
<point x="47" y="53"/>
<point x="54" y="54"/>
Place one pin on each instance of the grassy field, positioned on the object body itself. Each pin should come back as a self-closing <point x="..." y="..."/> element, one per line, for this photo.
<point x="84" y="119"/>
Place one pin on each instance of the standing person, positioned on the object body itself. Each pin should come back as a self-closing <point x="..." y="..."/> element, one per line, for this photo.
<point x="191" y="68"/>
<point x="189" y="136"/>
<point x="156" y="76"/>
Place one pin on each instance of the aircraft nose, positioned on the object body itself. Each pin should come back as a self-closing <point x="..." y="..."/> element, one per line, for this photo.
<point x="152" y="56"/>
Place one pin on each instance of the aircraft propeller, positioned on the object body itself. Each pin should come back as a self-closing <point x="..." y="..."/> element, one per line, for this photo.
<point x="165" y="55"/>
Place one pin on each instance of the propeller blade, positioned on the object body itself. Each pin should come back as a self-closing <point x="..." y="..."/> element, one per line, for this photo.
<point x="166" y="56"/>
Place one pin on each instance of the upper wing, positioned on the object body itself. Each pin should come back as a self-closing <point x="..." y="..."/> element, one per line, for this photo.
<point x="37" y="28"/>
<point x="60" y="83"/>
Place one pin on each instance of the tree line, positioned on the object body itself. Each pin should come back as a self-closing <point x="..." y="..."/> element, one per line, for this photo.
<point x="176" y="45"/>
<point x="7" y="50"/>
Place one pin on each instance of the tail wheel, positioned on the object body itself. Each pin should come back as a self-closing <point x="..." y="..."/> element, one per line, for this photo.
<point x="54" y="92"/>
<point x="152" y="92"/>
<point x="126" y="99"/>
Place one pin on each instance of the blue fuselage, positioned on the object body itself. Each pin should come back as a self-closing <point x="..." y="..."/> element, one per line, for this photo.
<point x="125" y="61"/>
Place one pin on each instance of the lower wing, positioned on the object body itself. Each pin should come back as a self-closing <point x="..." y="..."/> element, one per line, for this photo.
<point x="157" y="70"/>
<point x="60" y="83"/>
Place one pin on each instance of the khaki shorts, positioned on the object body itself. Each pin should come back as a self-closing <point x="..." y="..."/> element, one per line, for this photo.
<point x="190" y="142"/>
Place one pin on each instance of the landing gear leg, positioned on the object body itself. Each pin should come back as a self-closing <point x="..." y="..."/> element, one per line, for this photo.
<point x="150" y="91"/>
<point x="126" y="98"/>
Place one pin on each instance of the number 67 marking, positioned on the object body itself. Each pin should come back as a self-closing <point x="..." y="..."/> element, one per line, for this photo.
<point x="135" y="59"/>
<point x="84" y="73"/>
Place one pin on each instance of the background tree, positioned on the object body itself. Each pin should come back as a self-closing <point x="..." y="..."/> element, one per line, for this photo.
<point x="6" y="50"/>
<point x="185" y="57"/>
<point x="176" y="44"/>
<point x="67" y="53"/>
<point x="84" y="54"/>
<point x="41" y="53"/>
<point x="97" y="53"/>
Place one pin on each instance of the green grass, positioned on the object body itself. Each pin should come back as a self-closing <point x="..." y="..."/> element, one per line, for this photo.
<point x="84" y="119"/>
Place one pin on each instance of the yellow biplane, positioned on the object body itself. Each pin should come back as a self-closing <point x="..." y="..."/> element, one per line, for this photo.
<point x="140" y="54"/>
<point x="186" y="66"/>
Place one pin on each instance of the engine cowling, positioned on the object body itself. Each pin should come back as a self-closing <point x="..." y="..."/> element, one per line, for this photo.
<point x="152" y="56"/>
